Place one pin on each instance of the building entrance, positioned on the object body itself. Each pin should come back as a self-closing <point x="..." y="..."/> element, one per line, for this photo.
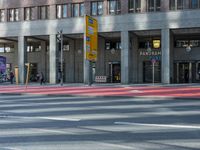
<point x="148" y="72"/>
<point x="114" y="72"/>
<point x="187" y="72"/>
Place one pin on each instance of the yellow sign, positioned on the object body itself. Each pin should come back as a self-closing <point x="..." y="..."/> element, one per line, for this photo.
<point x="156" y="43"/>
<point x="91" y="30"/>
<point x="17" y="75"/>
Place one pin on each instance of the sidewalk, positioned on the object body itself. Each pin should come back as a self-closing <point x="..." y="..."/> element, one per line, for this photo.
<point x="107" y="90"/>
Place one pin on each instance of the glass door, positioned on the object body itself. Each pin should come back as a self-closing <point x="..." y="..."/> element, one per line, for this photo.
<point x="114" y="72"/>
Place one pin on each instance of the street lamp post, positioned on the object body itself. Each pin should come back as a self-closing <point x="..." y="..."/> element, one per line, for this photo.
<point x="60" y="38"/>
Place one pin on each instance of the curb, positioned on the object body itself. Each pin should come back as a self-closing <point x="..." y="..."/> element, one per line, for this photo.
<point x="108" y="96"/>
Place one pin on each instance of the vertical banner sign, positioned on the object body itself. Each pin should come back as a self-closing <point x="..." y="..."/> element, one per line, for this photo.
<point x="2" y="64"/>
<point x="91" y="29"/>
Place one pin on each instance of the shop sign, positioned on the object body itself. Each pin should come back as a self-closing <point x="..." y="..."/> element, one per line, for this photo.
<point x="152" y="53"/>
<point x="156" y="44"/>
<point x="91" y="29"/>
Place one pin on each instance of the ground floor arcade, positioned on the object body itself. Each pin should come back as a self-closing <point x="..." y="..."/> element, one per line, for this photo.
<point x="160" y="56"/>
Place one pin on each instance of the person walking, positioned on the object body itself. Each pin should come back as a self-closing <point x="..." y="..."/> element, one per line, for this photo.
<point x="41" y="78"/>
<point x="11" y="77"/>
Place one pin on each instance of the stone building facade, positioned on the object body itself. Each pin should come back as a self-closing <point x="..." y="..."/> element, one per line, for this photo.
<point x="140" y="41"/>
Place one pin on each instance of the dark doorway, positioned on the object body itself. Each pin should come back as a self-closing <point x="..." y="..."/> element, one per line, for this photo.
<point x="114" y="72"/>
<point x="148" y="72"/>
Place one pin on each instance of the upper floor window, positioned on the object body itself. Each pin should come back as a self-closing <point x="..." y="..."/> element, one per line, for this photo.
<point x="180" y="4"/>
<point x="110" y="45"/>
<point x="176" y="4"/>
<point x="97" y="8"/>
<point x="134" y="6"/>
<point x="13" y="14"/>
<point x="194" y="4"/>
<point x="78" y="9"/>
<point x="114" y="7"/>
<point x="29" y="13"/>
<point x="6" y="48"/>
<point x="62" y="11"/>
<point x="43" y="12"/>
<point x="153" y="5"/>
<point x="33" y="47"/>
<point x="2" y="15"/>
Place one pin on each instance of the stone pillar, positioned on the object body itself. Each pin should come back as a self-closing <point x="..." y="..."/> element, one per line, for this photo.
<point x="186" y="4"/>
<point x="52" y="12"/>
<point x="87" y="7"/>
<point x="125" y="54"/>
<point x="5" y="15"/>
<point x="134" y="60"/>
<point x="165" y="68"/>
<point x="164" y="5"/>
<point x="143" y="6"/>
<point x="43" y="59"/>
<point x="21" y="14"/>
<point x="22" y="57"/>
<point x="124" y="6"/>
<point x="105" y="7"/>
<point x="52" y="59"/>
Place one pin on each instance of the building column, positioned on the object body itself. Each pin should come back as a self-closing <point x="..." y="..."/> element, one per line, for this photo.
<point x="143" y="5"/>
<point x="134" y="62"/>
<point x="22" y="57"/>
<point x="52" y="59"/>
<point x="43" y="59"/>
<point x="124" y="6"/>
<point x="164" y="5"/>
<point x="125" y="54"/>
<point x="165" y="68"/>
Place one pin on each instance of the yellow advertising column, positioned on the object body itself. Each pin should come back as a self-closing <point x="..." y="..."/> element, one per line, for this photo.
<point x="91" y="38"/>
<point x="17" y="75"/>
<point x="90" y="47"/>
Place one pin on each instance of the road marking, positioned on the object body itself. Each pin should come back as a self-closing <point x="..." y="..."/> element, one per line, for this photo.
<point x="59" y="119"/>
<point x="158" y="125"/>
<point x="136" y="91"/>
<point x="118" y="146"/>
<point x="11" y="148"/>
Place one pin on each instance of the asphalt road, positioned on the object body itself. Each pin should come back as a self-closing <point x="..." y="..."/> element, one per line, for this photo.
<point x="34" y="122"/>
